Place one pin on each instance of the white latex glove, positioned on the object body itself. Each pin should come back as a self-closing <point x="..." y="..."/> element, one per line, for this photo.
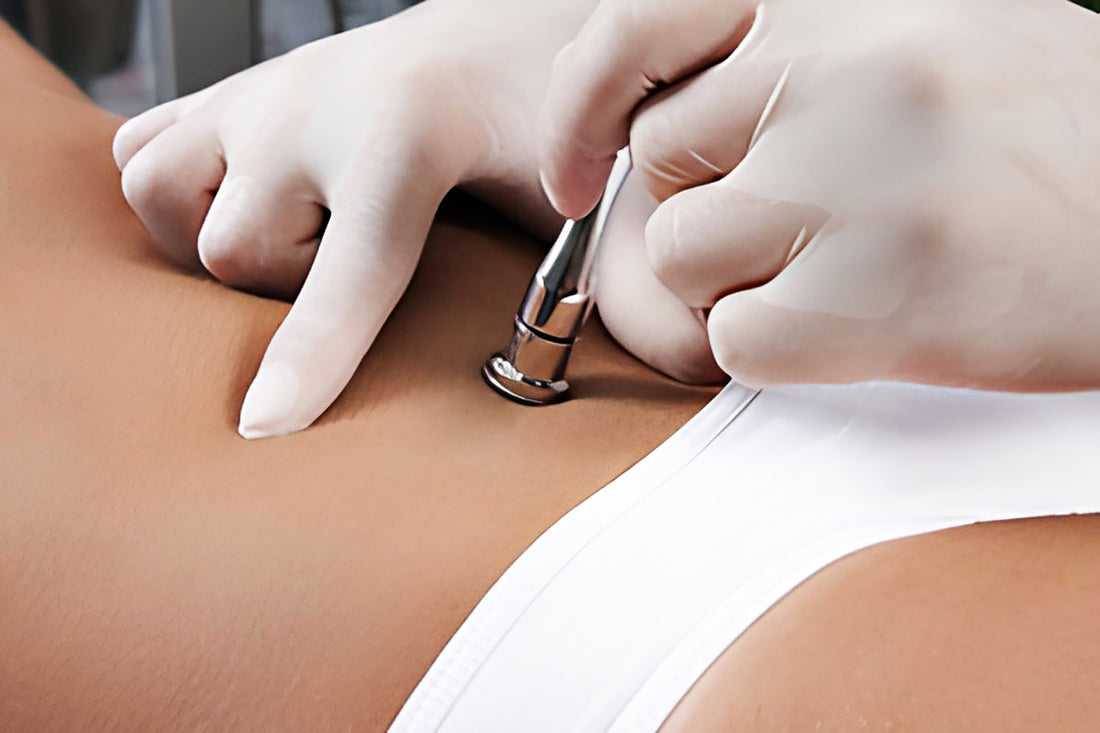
<point x="374" y="126"/>
<point x="857" y="189"/>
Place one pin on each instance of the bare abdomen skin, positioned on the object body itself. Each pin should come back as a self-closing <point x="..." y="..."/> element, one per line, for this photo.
<point x="157" y="572"/>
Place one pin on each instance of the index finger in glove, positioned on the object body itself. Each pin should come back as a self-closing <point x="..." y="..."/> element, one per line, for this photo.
<point x="363" y="266"/>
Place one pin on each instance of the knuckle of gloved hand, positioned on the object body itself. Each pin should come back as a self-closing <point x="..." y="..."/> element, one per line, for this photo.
<point x="228" y="250"/>
<point x="653" y="150"/>
<point x="231" y="235"/>
<point x="126" y="141"/>
<point x="668" y="256"/>
<point x="146" y="182"/>
<point x="228" y="259"/>
<point x="563" y="66"/>
<point x="740" y="345"/>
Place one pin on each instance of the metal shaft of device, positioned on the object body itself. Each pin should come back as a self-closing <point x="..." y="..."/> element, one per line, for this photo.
<point x="531" y="369"/>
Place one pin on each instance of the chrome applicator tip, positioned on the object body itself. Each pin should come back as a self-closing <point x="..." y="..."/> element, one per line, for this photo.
<point x="531" y="370"/>
<point x="499" y="374"/>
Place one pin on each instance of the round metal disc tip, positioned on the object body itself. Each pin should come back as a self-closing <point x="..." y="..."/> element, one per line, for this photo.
<point x="508" y="382"/>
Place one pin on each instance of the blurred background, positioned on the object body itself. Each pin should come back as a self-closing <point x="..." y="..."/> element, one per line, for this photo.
<point x="130" y="54"/>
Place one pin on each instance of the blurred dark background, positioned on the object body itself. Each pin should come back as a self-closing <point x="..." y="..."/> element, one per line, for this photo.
<point x="130" y="54"/>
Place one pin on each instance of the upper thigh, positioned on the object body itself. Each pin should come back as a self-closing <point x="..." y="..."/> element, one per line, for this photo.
<point x="992" y="627"/>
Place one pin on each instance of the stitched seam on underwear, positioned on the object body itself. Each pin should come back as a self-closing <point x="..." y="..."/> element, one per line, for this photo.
<point x="686" y="660"/>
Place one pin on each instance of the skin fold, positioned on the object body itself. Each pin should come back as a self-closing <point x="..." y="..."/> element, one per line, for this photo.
<point x="158" y="573"/>
<point x="854" y="189"/>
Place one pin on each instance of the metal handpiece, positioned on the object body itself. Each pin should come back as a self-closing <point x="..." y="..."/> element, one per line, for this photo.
<point x="531" y="370"/>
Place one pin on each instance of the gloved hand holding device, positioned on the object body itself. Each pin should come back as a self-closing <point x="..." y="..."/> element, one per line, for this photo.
<point x="851" y="189"/>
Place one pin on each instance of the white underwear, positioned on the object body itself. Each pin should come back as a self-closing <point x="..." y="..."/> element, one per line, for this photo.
<point x="611" y="616"/>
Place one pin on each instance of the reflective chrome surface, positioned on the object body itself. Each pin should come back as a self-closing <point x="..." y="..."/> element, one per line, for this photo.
<point x="531" y="370"/>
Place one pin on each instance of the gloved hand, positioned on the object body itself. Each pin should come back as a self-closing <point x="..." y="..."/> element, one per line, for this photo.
<point x="852" y="189"/>
<point x="373" y="127"/>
